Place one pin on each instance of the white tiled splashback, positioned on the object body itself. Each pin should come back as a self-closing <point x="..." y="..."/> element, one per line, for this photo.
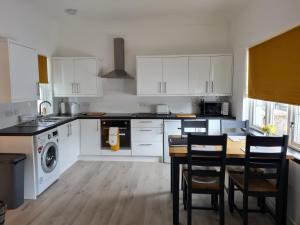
<point x="10" y="112"/>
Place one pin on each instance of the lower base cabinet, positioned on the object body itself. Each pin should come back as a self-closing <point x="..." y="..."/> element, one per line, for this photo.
<point x="90" y="137"/>
<point x="68" y="144"/>
<point x="147" y="137"/>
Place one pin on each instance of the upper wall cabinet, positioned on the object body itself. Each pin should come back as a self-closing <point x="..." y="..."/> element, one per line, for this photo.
<point x="76" y="77"/>
<point x="18" y="72"/>
<point x="196" y="75"/>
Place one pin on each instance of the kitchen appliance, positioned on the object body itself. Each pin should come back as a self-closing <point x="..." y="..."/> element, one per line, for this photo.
<point x="214" y="108"/>
<point x="124" y="132"/>
<point x="162" y="109"/>
<point x="74" y="108"/>
<point x="119" y="60"/>
<point x="46" y="154"/>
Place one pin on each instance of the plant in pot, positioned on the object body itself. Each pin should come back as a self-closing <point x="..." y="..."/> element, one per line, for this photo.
<point x="269" y="129"/>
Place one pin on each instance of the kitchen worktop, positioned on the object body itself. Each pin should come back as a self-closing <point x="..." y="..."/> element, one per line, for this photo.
<point x="31" y="131"/>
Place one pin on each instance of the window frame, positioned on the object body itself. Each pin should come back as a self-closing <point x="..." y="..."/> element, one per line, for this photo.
<point x="269" y="119"/>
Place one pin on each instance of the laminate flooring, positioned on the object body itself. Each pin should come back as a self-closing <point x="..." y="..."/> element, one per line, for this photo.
<point x="116" y="193"/>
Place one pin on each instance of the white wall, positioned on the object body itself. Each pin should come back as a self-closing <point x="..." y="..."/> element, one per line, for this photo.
<point x="25" y="23"/>
<point x="258" y="22"/>
<point x="158" y="36"/>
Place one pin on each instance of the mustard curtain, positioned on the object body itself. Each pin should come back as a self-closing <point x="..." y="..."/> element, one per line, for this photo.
<point x="43" y="71"/>
<point x="274" y="69"/>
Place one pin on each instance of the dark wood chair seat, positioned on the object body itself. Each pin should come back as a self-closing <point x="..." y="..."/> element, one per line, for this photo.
<point x="203" y="183"/>
<point x="258" y="185"/>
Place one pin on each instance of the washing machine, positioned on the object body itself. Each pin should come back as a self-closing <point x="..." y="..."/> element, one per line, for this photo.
<point x="46" y="159"/>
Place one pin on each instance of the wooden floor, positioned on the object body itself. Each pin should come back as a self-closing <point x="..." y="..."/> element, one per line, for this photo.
<point x="115" y="193"/>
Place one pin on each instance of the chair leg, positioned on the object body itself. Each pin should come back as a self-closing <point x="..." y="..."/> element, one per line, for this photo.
<point x="221" y="207"/>
<point x="262" y="204"/>
<point x="245" y="209"/>
<point x="278" y="210"/>
<point x="184" y="195"/>
<point x="189" y="207"/>
<point x="231" y="196"/>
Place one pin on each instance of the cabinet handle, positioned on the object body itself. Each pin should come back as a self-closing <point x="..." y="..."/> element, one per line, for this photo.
<point x="145" y="130"/>
<point x="160" y="87"/>
<point x="212" y="86"/>
<point x="146" y="121"/>
<point x="78" y="88"/>
<point x="70" y="129"/>
<point x="206" y="86"/>
<point x="68" y="133"/>
<point x="97" y="125"/>
<point x="165" y="87"/>
<point x="145" y="144"/>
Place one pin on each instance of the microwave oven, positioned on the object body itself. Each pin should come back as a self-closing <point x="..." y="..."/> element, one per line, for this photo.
<point x="214" y="108"/>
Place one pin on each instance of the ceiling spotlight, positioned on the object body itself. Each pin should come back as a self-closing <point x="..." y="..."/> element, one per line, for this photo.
<point x="71" y="11"/>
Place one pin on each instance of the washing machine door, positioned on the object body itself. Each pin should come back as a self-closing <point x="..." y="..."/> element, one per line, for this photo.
<point x="49" y="158"/>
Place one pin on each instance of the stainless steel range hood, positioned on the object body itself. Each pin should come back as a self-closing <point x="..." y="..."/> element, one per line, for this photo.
<point x="119" y="60"/>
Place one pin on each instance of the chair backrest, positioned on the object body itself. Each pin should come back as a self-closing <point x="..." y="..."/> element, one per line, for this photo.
<point x="195" y="127"/>
<point x="235" y="127"/>
<point x="212" y="160"/>
<point x="267" y="159"/>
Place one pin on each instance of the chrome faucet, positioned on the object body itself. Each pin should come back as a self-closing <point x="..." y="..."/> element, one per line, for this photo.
<point x="40" y="106"/>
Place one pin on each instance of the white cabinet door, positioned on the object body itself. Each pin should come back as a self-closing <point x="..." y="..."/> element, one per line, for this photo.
<point x="90" y="137"/>
<point x="147" y="148"/>
<point x="63" y="77"/>
<point x="199" y="72"/>
<point x="24" y="73"/>
<point x="175" y="76"/>
<point x="149" y="76"/>
<point x="86" y="77"/>
<point x="221" y="75"/>
<point x="171" y="127"/>
<point x="74" y="141"/>
<point x="63" y="154"/>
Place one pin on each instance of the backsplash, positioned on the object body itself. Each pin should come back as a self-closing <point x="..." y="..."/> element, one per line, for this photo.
<point x="10" y="112"/>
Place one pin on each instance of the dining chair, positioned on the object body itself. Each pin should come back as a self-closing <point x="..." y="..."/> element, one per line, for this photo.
<point x="205" y="173"/>
<point x="198" y="127"/>
<point x="234" y="127"/>
<point x="263" y="175"/>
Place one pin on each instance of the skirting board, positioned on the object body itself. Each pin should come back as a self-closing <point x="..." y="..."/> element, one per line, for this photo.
<point x="119" y="158"/>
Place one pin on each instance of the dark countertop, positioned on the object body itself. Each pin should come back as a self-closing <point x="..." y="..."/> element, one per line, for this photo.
<point x="31" y="131"/>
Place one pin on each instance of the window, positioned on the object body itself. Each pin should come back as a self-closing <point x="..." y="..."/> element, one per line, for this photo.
<point x="280" y="118"/>
<point x="259" y="113"/>
<point x="296" y="128"/>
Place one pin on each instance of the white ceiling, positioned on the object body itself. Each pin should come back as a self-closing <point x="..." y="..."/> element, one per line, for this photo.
<point x="139" y="9"/>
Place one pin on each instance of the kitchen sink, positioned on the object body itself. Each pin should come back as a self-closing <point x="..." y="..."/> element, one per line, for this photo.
<point x="43" y="121"/>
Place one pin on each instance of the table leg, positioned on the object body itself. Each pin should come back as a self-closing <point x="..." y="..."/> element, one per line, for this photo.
<point x="175" y="189"/>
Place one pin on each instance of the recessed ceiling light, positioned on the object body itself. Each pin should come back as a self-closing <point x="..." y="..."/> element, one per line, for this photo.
<point x="71" y="11"/>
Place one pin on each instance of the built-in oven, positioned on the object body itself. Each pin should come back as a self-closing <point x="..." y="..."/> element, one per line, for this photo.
<point x="124" y="132"/>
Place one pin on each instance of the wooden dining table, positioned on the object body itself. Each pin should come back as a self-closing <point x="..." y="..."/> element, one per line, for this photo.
<point x="234" y="156"/>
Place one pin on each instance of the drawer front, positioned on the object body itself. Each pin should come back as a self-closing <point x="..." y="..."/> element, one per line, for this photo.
<point x="147" y="149"/>
<point x="146" y="123"/>
<point x="149" y="134"/>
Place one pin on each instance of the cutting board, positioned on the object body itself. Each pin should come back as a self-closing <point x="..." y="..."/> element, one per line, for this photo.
<point x="94" y="113"/>
<point x="191" y="115"/>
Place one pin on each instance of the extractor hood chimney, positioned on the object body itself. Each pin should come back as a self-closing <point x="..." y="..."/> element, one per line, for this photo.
<point x="119" y="60"/>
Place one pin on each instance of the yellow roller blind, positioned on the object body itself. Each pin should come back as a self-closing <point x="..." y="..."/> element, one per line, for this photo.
<point x="43" y="71"/>
<point x="274" y="69"/>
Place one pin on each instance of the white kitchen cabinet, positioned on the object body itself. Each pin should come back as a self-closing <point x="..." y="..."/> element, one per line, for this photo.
<point x="150" y="75"/>
<point x="69" y="144"/>
<point x="63" y="77"/>
<point x="193" y="75"/>
<point x="18" y="72"/>
<point x="221" y="75"/>
<point x="147" y="137"/>
<point x="171" y="127"/>
<point x="90" y="137"/>
<point x="76" y="77"/>
<point x="175" y="75"/>
<point x="199" y="75"/>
